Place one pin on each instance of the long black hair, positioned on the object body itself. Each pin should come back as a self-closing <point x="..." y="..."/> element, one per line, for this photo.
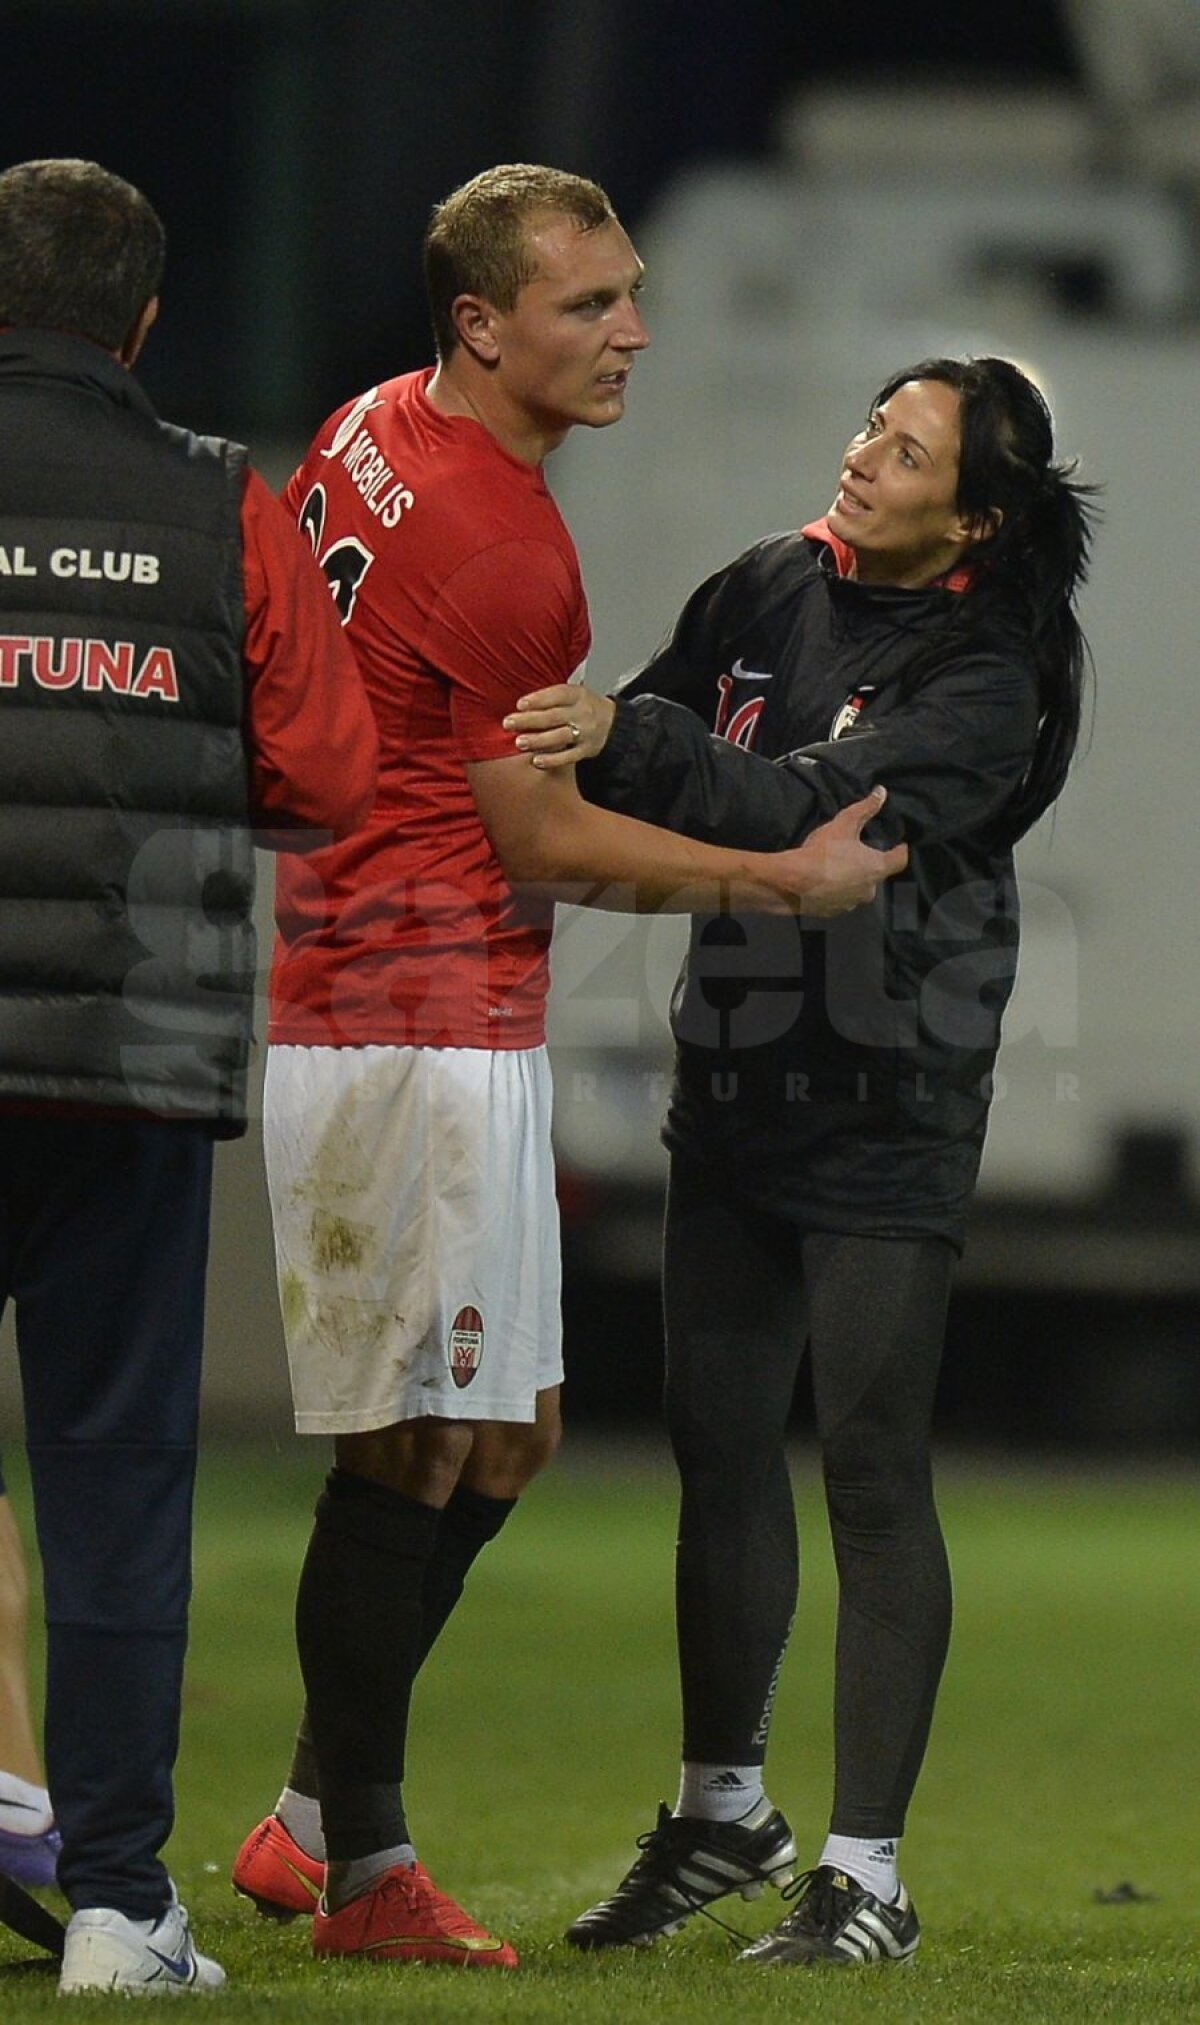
<point x="1035" y="556"/>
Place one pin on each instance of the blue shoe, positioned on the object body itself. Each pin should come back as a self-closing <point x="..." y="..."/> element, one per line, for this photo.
<point x="31" y="1860"/>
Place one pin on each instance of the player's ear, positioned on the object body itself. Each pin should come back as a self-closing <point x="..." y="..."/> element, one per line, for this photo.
<point x="139" y="332"/>
<point x="475" y="324"/>
<point x="979" y="527"/>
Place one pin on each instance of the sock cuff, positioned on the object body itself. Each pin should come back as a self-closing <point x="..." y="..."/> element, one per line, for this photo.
<point x="360" y="1509"/>
<point x="14" y="1789"/>
<point x="476" y="1513"/>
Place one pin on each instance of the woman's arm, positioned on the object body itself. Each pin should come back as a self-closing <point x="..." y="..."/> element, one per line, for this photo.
<point x="950" y="759"/>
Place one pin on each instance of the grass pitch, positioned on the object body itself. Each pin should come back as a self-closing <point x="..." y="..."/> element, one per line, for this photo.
<point x="1065" y="1759"/>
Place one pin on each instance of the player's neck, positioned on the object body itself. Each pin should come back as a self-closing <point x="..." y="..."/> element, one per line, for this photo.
<point x="457" y="390"/>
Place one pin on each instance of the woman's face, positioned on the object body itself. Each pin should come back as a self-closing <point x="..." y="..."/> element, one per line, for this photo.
<point x="896" y="502"/>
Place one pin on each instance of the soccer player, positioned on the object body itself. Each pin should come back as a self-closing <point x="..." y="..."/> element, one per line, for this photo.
<point x="407" y="1091"/>
<point x="826" y="1129"/>
<point x="172" y="675"/>
<point x="29" y="1840"/>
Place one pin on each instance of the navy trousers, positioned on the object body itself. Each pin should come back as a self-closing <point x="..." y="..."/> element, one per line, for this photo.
<point x="104" y="1227"/>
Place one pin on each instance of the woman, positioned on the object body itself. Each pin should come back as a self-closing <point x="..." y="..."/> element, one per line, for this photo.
<point x="832" y="1091"/>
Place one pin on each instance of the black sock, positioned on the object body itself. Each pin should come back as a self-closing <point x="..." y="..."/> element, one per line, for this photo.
<point x="303" y="1776"/>
<point x="470" y="1520"/>
<point x="358" y="1629"/>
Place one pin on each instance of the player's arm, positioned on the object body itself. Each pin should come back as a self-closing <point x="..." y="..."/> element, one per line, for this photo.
<point x="548" y="838"/>
<point x="310" y="730"/>
<point x="951" y="758"/>
<point x="502" y="619"/>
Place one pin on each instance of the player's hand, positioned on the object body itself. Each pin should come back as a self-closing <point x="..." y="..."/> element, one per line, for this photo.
<point x="560" y="726"/>
<point x="833" y="870"/>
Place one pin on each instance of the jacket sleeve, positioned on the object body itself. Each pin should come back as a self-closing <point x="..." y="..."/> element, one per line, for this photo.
<point x="310" y="731"/>
<point x="950" y="759"/>
<point x="951" y="755"/>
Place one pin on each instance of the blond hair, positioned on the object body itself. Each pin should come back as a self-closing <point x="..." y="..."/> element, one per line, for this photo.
<point x="478" y="237"/>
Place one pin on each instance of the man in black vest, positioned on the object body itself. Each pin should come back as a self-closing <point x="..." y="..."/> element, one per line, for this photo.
<point x="172" y="679"/>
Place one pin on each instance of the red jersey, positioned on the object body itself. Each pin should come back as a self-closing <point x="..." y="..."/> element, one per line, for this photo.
<point x="310" y="738"/>
<point x="459" y="588"/>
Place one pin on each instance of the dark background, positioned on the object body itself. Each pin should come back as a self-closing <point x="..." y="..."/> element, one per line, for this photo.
<point x="295" y="147"/>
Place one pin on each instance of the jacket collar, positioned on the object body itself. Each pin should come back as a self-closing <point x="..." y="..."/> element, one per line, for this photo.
<point x="959" y="579"/>
<point x="32" y="355"/>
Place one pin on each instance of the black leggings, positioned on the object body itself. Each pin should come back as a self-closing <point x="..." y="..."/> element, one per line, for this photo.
<point x="745" y="1295"/>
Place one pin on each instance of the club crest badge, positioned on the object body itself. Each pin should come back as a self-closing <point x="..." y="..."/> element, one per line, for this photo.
<point x="846" y="717"/>
<point x="464" y="1351"/>
<point x="850" y="712"/>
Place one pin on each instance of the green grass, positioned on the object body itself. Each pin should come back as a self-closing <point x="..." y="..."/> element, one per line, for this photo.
<point x="1065" y="1758"/>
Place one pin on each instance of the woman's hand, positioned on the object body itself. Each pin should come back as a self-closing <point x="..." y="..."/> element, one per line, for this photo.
<point x="558" y="727"/>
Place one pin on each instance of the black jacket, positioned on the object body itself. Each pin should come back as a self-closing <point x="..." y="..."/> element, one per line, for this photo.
<point x="838" y="1074"/>
<point x="126" y="866"/>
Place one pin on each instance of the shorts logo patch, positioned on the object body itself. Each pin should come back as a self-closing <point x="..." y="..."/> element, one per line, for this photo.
<point x="465" y="1348"/>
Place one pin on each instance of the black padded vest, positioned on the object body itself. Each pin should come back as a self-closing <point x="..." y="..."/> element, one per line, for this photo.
<point x="127" y="952"/>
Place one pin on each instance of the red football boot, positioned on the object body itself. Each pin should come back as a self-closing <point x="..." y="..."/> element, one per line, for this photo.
<point x="405" y="1918"/>
<point x="273" y="1870"/>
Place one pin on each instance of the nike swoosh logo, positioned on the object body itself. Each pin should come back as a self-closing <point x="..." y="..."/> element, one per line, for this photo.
<point x="179" y="1966"/>
<point x="484" y="1945"/>
<point x="741" y="673"/>
<point x="313" y="1889"/>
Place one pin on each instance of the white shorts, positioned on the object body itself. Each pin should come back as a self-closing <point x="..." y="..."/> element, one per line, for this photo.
<point x="416" y="1232"/>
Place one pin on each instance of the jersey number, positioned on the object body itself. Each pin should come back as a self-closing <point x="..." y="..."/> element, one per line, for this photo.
<point x="740" y="726"/>
<point x="344" y="562"/>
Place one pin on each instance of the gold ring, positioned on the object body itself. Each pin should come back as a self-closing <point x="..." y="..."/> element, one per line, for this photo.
<point x="576" y="733"/>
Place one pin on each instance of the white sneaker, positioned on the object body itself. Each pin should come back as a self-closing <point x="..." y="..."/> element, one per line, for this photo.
<point x="106" y="1950"/>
